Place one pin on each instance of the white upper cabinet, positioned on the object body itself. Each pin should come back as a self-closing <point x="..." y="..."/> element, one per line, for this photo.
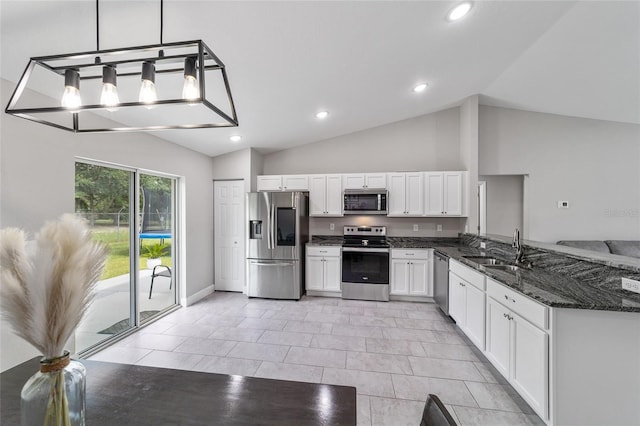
<point x="269" y="183"/>
<point x="364" y="181"/>
<point x="405" y="194"/>
<point x="283" y="183"/>
<point x="325" y="195"/>
<point x="444" y="193"/>
<point x="295" y="183"/>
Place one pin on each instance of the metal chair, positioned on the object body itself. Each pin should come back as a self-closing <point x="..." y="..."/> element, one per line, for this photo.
<point x="436" y="414"/>
<point x="165" y="271"/>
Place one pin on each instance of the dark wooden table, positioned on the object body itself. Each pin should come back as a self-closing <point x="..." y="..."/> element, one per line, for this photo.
<point x="121" y="394"/>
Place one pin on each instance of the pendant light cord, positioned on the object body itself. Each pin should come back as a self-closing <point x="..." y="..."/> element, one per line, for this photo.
<point x="161" y="19"/>
<point x="97" y="26"/>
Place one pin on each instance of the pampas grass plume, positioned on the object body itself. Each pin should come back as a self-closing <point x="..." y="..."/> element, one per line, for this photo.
<point x="46" y="291"/>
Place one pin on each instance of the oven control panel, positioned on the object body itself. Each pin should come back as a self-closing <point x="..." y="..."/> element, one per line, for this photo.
<point x="365" y="230"/>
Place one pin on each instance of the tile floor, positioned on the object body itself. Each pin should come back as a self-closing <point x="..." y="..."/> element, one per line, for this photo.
<point x="394" y="353"/>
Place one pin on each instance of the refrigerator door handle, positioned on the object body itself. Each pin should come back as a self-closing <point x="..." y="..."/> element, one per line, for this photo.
<point x="269" y="241"/>
<point x="272" y="229"/>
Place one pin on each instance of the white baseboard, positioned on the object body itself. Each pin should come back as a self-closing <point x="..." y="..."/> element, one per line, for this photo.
<point x="188" y="301"/>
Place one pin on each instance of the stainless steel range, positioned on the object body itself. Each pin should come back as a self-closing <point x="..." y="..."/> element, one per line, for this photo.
<point x="365" y="263"/>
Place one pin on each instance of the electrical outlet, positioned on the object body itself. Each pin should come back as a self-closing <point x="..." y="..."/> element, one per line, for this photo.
<point x="416" y="227"/>
<point x="483" y="245"/>
<point x="332" y="226"/>
<point x="438" y="228"/>
<point x="631" y="285"/>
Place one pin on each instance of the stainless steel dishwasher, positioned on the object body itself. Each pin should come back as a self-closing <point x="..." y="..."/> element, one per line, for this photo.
<point x="441" y="281"/>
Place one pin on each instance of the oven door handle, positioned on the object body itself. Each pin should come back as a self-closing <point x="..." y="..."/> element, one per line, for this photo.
<point x="365" y="250"/>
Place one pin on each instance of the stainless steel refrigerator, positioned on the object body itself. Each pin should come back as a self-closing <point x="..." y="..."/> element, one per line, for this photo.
<point x="278" y="230"/>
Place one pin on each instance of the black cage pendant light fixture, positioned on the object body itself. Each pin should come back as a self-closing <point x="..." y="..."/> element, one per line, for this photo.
<point x="178" y="85"/>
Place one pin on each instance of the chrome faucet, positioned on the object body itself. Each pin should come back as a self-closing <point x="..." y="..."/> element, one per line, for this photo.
<point x="518" y="246"/>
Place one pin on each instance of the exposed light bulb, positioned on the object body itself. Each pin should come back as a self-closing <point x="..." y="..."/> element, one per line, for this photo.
<point x="148" y="93"/>
<point x="71" y="96"/>
<point x="322" y="115"/>
<point x="190" y="90"/>
<point x="459" y="11"/>
<point x="109" y="96"/>
<point x="235" y="138"/>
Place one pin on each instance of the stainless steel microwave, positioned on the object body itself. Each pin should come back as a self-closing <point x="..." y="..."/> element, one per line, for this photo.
<point x="365" y="201"/>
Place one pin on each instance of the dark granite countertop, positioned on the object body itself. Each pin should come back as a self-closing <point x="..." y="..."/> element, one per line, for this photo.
<point x="326" y="240"/>
<point x="561" y="283"/>
<point x="585" y="287"/>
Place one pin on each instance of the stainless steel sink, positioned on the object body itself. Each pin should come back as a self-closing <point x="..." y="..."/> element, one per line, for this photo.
<point x="507" y="268"/>
<point x="485" y="260"/>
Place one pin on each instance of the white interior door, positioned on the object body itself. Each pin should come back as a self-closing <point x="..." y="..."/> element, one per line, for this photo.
<point x="229" y="239"/>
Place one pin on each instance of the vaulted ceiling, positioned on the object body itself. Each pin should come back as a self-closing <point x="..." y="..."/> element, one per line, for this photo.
<point x="360" y="60"/>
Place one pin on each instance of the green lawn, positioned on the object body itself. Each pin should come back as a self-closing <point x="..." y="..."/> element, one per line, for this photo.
<point x="118" y="258"/>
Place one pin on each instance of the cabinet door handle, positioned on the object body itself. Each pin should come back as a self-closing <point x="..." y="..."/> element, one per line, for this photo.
<point x="505" y="315"/>
<point x="506" y="297"/>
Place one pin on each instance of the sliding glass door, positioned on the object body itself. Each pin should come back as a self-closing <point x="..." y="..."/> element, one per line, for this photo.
<point x="157" y="200"/>
<point x="140" y="237"/>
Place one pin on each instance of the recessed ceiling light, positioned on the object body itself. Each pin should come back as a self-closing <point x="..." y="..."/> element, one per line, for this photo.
<point x="420" y="87"/>
<point x="322" y="114"/>
<point x="459" y="11"/>
<point x="235" y="138"/>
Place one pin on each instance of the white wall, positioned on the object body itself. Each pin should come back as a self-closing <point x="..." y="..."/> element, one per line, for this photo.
<point x="37" y="184"/>
<point x="233" y="166"/>
<point x="469" y="146"/>
<point x="504" y="203"/>
<point x="593" y="164"/>
<point x="428" y="142"/>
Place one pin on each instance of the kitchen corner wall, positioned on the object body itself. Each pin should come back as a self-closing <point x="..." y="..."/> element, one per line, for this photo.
<point x="37" y="183"/>
<point x="245" y="164"/>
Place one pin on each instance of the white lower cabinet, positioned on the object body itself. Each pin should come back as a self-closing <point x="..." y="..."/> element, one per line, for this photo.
<point x="323" y="271"/>
<point x="467" y="301"/>
<point x="411" y="273"/>
<point x="520" y="352"/>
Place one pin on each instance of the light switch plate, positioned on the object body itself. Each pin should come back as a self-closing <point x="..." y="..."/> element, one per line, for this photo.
<point x="563" y="204"/>
<point x="631" y="285"/>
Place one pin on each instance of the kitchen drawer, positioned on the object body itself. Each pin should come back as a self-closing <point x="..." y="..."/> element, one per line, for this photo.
<point x="410" y="254"/>
<point x="533" y="311"/>
<point x="469" y="275"/>
<point x="323" y="250"/>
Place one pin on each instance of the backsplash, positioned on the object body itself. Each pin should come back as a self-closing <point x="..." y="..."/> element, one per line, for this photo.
<point x="396" y="226"/>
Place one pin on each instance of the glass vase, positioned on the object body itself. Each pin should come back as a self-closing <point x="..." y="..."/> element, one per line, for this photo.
<point x="55" y="395"/>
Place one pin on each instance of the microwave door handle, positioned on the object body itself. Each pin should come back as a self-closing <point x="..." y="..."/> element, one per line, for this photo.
<point x="379" y="202"/>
